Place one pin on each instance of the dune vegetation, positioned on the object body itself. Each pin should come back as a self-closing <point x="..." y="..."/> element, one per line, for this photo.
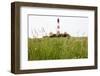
<point x="57" y="48"/>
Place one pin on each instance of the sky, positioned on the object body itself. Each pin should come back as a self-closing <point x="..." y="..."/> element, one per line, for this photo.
<point x="41" y="25"/>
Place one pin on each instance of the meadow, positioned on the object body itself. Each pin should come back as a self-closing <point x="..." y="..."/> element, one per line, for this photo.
<point x="57" y="48"/>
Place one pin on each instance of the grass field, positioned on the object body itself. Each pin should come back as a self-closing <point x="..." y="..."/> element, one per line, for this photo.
<point x="57" y="48"/>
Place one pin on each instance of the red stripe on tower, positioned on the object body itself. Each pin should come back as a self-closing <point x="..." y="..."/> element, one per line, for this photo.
<point x="58" y="20"/>
<point x="58" y="26"/>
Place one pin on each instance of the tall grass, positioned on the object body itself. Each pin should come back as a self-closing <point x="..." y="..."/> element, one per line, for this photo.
<point x="57" y="48"/>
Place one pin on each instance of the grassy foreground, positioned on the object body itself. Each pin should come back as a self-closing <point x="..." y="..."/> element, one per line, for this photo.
<point x="57" y="48"/>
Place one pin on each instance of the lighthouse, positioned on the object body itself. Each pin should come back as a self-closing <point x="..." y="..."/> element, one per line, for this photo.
<point x="58" y="26"/>
<point x="58" y="32"/>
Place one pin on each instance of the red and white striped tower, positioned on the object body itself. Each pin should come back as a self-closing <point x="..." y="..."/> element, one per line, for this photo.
<point x="58" y="26"/>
